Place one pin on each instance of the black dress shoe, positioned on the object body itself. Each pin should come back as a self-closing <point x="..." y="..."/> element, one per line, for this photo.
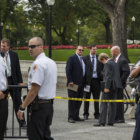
<point x="120" y="121"/>
<point x="99" y="124"/>
<point x="110" y="124"/>
<point x="85" y="117"/>
<point x="71" y="121"/>
<point x="97" y="117"/>
<point x="78" y="119"/>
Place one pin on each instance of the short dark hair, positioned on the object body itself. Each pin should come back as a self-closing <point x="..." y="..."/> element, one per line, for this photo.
<point x="92" y="46"/>
<point x="5" y="40"/>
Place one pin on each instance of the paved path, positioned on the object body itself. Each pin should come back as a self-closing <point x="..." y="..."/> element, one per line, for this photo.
<point x="62" y="130"/>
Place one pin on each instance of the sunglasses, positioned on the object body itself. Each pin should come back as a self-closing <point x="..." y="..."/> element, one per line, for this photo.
<point x="32" y="46"/>
<point x="80" y="50"/>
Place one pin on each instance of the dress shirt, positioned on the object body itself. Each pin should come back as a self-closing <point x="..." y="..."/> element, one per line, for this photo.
<point x="8" y="63"/>
<point x="3" y="80"/>
<point x="116" y="59"/>
<point x="94" y="75"/>
<point x="83" y="64"/>
<point x="43" y="72"/>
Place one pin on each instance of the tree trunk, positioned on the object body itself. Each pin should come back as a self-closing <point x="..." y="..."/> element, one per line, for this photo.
<point x="0" y="32"/>
<point x="119" y="30"/>
<point x="107" y="29"/>
<point x="63" y="39"/>
<point x="117" y="13"/>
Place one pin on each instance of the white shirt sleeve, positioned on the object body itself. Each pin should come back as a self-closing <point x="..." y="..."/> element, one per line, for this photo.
<point x="38" y="74"/>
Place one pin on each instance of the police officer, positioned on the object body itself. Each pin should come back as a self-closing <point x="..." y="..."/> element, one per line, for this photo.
<point x="136" y="134"/>
<point x="42" y="81"/>
<point x="3" y="98"/>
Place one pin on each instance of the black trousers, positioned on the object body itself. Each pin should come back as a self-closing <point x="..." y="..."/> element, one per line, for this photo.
<point x="74" y="106"/>
<point x="136" y="134"/>
<point x="120" y="106"/>
<point x="40" y="121"/>
<point x="3" y="117"/>
<point x="95" y="90"/>
<point x="16" y="97"/>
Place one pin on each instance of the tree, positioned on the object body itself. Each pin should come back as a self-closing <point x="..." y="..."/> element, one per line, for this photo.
<point x="94" y="14"/>
<point x="117" y="10"/>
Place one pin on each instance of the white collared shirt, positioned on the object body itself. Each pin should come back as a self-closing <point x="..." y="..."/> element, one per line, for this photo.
<point x="116" y="59"/>
<point x="43" y="72"/>
<point x="94" y="75"/>
<point x="8" y="63"/>
<point x="3" y="79"/>
<point x="83" y="64"/>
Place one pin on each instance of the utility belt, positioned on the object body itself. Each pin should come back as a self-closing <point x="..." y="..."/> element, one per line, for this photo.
<point x="6" y="93"/>
<point x="34" y="106"/>
<point x="43" y="101"/>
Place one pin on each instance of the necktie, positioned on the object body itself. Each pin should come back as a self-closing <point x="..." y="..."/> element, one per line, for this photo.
<point x="93" y="62"/>
<point x="81" y="62"/>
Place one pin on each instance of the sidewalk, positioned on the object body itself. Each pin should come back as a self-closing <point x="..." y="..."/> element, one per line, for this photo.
<point x="62" y="130"/>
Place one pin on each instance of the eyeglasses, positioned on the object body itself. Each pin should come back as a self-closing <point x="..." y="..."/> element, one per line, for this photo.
<point x="80" y="50"/>
<point x="32" y="46"/>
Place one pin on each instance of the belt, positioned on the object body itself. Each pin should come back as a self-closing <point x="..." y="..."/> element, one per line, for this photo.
<point x="9" y="77"/>
<point x="41" y="101"/>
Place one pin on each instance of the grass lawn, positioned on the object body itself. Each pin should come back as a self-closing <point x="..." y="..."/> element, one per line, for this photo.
<point x="63" y="55"/>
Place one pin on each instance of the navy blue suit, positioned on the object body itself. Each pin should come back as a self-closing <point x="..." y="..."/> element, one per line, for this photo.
<point x="74" y="74"/>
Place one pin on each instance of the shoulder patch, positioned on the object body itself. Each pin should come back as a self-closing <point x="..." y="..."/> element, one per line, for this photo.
<point x="35" y="67"/>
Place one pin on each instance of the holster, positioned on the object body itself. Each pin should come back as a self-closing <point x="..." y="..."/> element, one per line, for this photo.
<point x="35" y="105"/>
<point x="6" y="93"/>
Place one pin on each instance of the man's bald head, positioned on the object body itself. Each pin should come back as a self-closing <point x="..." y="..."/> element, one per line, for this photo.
<point x="115" y="51"/>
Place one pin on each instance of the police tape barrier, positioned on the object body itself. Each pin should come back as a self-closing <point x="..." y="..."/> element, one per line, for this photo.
<point x="95" y="100"/>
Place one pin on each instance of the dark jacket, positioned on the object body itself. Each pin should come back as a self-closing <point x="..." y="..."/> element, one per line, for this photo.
<point x="111" y="75"/>
<point x="89" y="69"/>
<point x="15" y="68"/>
<point x="74" y="71"/>
<point x="124" y="69"/>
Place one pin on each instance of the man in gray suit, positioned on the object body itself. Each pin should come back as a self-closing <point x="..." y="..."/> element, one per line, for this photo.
<point x="111" y="83"/>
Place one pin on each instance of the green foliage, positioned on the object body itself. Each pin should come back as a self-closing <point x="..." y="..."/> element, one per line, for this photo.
<point x="133" y="10"/>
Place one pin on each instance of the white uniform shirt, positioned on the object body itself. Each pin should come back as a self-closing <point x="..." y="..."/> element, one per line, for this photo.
<point x="43" y="72"/>
<point x="3" y="79"/>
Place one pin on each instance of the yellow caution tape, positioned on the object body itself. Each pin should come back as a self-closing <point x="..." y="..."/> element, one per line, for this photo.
<point x="95" y="100"/>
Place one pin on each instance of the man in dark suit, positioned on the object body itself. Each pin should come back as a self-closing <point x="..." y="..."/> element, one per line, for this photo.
<point x="93" y="77"/>
<point x="124" y="73"/>
<point x="75" y="72"/>
<point x="111" y="83"/>
<point x="14" y="74"/>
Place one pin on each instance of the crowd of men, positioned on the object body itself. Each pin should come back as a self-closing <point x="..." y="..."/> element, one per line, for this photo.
<point x="93" y="74"/>
<point x="86" y="76"/>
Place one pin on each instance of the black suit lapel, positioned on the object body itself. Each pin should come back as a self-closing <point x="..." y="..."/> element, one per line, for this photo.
<point x="11" y="61"/>
<point x="89" y="61"/>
